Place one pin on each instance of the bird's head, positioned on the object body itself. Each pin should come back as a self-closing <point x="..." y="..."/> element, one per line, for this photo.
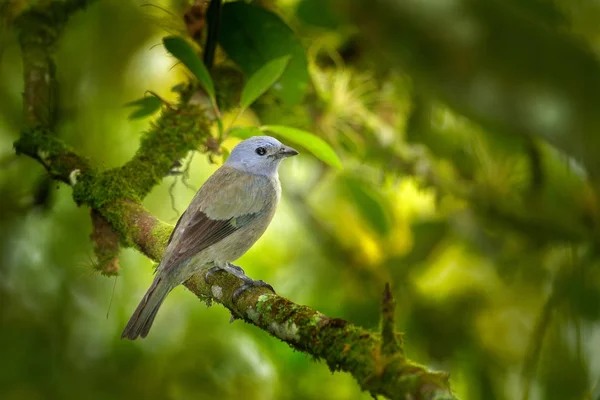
<point x="259" y="155"/>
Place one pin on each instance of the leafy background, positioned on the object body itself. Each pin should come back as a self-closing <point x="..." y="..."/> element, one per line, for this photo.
<point x="467" y="134"/>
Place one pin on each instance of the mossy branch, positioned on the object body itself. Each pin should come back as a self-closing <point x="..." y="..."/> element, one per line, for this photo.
<point x="39" y="28"/>
<point x="377" y="362"/>
<point x="342" y="345"/>
<point x="114" y="195"/>
<point x="106" y="245"/>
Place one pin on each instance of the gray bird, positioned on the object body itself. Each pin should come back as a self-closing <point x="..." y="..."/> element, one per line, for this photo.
<point x="226" y="217"/>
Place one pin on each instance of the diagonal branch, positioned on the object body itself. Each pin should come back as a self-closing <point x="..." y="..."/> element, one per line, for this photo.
<point x="378" y="367"/>
<point x="342" y="345"/>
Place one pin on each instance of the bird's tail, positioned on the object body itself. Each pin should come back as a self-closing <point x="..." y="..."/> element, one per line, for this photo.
<point x="141" y="321"/>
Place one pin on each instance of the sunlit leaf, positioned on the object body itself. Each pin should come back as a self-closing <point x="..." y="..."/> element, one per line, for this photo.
<point x="255" y="36"/>
<point x="185" y="53"/>
<point x="146" y="106"/>
<point x="310" y="142"/>
<point x="262" y="80"/>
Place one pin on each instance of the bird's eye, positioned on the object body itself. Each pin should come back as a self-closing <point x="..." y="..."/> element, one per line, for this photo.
<point x="261" y="151"/>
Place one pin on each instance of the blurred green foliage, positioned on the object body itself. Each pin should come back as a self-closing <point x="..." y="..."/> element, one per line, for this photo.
<point x="467" y="132"/>
<point x="251" y="36"/>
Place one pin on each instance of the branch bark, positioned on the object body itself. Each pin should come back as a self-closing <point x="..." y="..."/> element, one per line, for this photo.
<point x="378" y="364"/>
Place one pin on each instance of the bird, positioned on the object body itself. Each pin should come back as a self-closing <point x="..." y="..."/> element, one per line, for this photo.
<point x="228" y="214"/>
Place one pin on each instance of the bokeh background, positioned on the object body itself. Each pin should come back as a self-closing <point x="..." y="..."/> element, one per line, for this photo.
<point x="477" y="203"/>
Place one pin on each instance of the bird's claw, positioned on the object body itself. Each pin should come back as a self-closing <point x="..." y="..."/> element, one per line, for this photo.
<point x="249" y="284"/>
<point x="238" y="269"/>
<point x="211" y="272"/>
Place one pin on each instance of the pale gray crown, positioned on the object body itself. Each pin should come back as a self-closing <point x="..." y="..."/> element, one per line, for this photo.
<point x="259" y="155"/>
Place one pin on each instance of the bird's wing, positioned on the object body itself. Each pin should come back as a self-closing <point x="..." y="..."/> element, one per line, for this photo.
<point x="228" y="201"/>
<point x="201" y="232"/>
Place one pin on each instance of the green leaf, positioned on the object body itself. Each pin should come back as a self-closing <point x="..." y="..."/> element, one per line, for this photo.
<point x="370" y="204"/>
<point x="147" y="105"/>
<point x="254" y="37"/>
<point x="262" y="80"/>
<point x="244" y="132"/>
<point x="310" y="142"/>
<point x="185" y="53"/>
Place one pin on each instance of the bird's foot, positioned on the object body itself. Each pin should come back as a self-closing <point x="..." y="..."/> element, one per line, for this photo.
<point x="239" y="273"/>
<point x="235" y="270"/>
<point x="232" y="269"/>
<point x="211" y="271"/>
<point x="248" y="282"/>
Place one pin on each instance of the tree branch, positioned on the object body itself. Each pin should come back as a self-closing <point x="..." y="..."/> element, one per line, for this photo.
<point x="114" y="195"/>
<point x="39" y="28"/>
<point x="106" y="245"/>
<point x="377" y="363"/>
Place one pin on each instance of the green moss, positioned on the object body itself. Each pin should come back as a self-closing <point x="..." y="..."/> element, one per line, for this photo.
<point x="98" y="189"/>
<point x="160" y="236"/>
<point x="170" y="138"/>
<point x="114" y="213"/>
<point x="58" y="158"/>
<point x="343" y="346"/>
<point x="38" y="138"/>
<point x="107" y="261"/>
<point x="162" y="231"/>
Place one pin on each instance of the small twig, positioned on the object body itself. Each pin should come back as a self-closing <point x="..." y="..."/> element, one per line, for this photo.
<point x="172" y="196"/>
<point x="390" y="342"/>
<point x="185" y="176"/>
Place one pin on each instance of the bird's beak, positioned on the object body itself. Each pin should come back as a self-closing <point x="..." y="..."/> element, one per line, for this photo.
<point x="286" y="151"/>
